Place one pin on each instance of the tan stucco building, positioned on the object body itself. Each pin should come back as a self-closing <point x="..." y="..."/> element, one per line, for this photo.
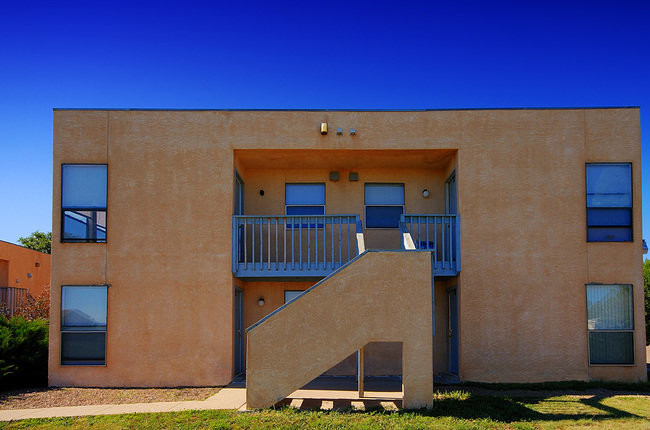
<point x="496" y="245"/>
<point x="24" y="275"/>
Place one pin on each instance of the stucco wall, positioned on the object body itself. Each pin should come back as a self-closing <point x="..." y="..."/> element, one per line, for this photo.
<point x="18" y="263"/>
<point x="525" y="260"/>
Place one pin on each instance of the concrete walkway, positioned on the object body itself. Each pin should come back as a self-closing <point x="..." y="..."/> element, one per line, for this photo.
<point x="227" y="398"/>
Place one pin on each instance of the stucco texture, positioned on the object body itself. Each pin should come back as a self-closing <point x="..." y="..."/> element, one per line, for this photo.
<point x="382" y="296"/>
<point x="521" y="199"/>
<point x="24" y="268"/>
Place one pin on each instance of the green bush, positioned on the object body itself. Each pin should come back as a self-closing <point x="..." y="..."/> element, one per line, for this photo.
<point x="23" y="352"/>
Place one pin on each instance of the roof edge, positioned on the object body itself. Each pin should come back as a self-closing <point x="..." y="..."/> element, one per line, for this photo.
<point x="342" y="110"/>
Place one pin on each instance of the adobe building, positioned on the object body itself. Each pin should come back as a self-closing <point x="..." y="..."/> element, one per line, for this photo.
<point x="496" y="245"/>
<point x="23" y="272"/>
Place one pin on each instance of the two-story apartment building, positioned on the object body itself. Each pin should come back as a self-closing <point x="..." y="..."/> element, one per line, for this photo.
<point x="497" y="245"/>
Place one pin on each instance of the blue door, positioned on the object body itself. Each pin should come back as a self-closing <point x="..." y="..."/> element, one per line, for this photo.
<point x="239" y="331"/>
<point x="452" y="331"/>
<point x="239" y="210"/>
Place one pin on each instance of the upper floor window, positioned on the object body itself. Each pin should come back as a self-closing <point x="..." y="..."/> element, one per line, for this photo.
<point x="83" y="202"/>
<point x="304" y="199"/>
<point x="609" y="202"/>
<point x="384" y="204"/>
<point x="83" y="324"/>
<point x="610" y="323"/>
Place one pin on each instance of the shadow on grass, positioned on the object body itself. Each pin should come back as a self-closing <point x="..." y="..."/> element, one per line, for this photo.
<point x="475" y="407"/>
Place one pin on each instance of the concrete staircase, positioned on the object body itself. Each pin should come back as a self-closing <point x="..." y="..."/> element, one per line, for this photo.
<point x="381" y="296"/>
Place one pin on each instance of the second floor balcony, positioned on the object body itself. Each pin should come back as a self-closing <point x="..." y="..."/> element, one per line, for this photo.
<point x="313" y="246"/>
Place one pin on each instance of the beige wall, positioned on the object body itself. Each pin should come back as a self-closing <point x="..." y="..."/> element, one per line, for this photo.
<point x="24" y="268"/>
<point x="345" y="197"/>
<point x="525" y="260"/>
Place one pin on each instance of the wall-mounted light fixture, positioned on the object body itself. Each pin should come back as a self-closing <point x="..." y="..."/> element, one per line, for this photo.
<point x="354" y="176"/>
<point x="339" y="131"/>
<point x="334" y="176"/>
<point x="261" y="192"/>
<point x="425" y="193"/>
<point x="323" y="128"/>
<point x="353" y="131"/>
<point x="260" y="302"/>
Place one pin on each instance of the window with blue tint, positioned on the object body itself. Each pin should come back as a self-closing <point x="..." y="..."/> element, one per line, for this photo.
<point x="384" y="204"/>
<point x="83" y="202"/>
<point x="610" y="324"/>
<point x="290" y="295"/>
<point x="609" y="202"/>
<point x="305" y="200"/>
<point x="83" y="324"/>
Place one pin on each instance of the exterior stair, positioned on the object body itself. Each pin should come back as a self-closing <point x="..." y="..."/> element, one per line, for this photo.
<point x="380" y="296"/>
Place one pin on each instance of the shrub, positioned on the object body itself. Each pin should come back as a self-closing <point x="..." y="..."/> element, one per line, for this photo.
<point x="23" y="352"/>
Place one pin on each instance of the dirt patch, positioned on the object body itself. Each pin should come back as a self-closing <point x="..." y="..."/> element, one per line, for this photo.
<point x="53" y="397"/>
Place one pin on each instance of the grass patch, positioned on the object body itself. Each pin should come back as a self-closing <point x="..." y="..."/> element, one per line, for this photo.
<point x="458" y="410"/>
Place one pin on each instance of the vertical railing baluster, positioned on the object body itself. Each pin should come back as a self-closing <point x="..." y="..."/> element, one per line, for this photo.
<point x="293" y="241"/>
<point x="435" y="241"/>
<point x="419" y="233"/>
<point x="325" y="218"/>
<point x="308" y="243"/>
<point x="348" y="238"/>
<point x="316" y="246"/>
<point x="442" y="240"/>
<point x="426" y="226"/>
<point x="268" y="226"/>
<point x="277" y="220"/>
<point x="245" y="244"/>
<point x="253" y="242"/>
<point x="332" y="234"/>
<point x="340" y="253"/>
<point x="300" y="241"/>
<point x="284" y="248"/>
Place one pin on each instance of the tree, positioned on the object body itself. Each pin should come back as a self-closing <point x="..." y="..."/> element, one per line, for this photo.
<point x="646" y="284"/>
<point x="38" y="241"/>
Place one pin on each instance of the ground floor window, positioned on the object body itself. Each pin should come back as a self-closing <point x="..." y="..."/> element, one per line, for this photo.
<point x="289" y="295"/>
<point x="610" y="323"/>
<point x="83" y="324"/>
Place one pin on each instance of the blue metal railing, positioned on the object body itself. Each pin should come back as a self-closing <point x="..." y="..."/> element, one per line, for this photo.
<point x="439" y="234"/>
<point x="290" y="245"/>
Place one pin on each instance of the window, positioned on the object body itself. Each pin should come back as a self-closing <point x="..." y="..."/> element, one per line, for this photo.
<point x="290" y="295"/>
<point x="610" y="323"/>
<point x="609" y="202"/>
<point x="83" y="324"/>
<point x="83" y="202"/>
<point x="384" y="203"/>
<point x="304" y="199"/>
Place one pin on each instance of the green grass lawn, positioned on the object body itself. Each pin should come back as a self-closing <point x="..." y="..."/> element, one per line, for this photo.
<point x="458" y="410"/>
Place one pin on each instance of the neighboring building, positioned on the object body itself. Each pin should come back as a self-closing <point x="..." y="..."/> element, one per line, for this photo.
<point x="154" y="278"/>
<point x="24" y="274"/>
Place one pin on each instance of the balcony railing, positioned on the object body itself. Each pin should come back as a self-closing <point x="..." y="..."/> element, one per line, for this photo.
<point x="290" y="246"/>
<point x="438" y="233"/>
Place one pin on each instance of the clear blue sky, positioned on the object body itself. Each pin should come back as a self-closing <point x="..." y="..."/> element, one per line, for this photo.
<point x="302" y="54"/>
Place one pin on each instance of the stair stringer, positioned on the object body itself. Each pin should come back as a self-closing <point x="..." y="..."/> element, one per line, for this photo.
<point x="380" y="296"/>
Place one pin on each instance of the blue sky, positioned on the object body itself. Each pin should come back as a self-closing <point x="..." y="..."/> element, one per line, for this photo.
<point x="434" y="54"/>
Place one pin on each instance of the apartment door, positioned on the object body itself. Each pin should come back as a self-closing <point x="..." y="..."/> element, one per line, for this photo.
<point x="451" y="199"/>
<point x="240" y="367"/>
<point x="452" y="330"/>
<point x="239" y="210"/>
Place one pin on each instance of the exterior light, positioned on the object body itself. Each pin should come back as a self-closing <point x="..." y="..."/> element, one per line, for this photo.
<point x="260" y="302"/>
<point x="323" y="128"/>
<point x="425" y="193"/>
<point x="339" y="131"/>
<point x="353" y="131"/>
